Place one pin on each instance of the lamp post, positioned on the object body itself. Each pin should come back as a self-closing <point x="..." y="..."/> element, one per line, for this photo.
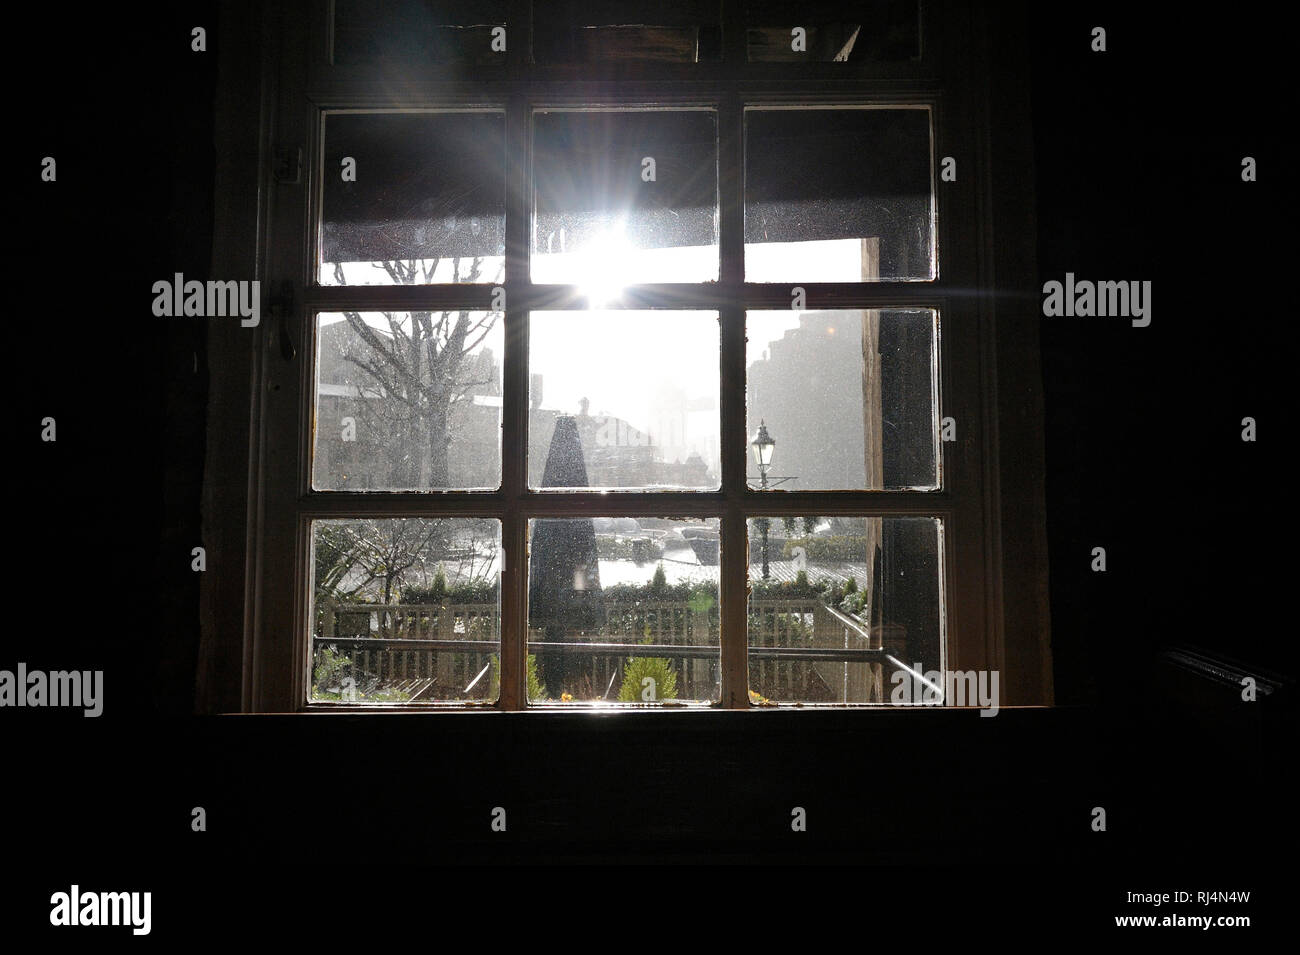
<point x="763" y="445"/>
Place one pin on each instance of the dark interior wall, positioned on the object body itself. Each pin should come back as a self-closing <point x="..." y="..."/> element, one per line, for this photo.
<point x="1139" y="157"/>
<point x="111" y="508"/>
<point x="1137" y="153"/>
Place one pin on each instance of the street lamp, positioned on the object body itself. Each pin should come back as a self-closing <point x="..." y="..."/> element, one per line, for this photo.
<point x="763" y="445"/>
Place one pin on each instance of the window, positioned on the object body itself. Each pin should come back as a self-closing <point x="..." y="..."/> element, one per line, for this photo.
<point x="631" y="359"/>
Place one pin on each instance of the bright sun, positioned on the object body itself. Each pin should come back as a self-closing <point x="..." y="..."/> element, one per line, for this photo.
<point x="605" y="264"/>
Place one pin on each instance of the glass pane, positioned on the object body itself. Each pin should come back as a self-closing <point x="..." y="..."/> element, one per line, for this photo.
<point x="838" y="195"/>
<point x="623" y="610"/>
<point x="582" y="31"/>
<point x="413" y="199"/>
<point x="406" y="610"/>
<point x="408" y="401"/>
<point x="839" y="31"/>
<point x="624" y="399"/>
<point x="414" y="32"/>
<point x="848" y="399"/>
<point x="625" y="197"/>
<point x="839" y="605"/>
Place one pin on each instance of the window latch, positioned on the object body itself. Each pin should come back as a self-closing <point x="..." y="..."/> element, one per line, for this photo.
<point x="287" y="167"/>
<point x="282" y="312"/>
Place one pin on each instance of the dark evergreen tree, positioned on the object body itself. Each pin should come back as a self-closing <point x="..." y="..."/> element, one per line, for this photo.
<point x="564" y="593"/>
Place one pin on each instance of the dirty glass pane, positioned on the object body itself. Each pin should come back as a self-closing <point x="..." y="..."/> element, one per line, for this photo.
<point x="408" y="401"/>
<point x="625" y="197"/>
<point x="613" y="31"/>
<point x="413" y="198"/>
<point x="838" y="195"/>
<point x="405" y="610"/>
<point x="840" y="31"/>
<point x="623" y="399"/>
<point x="839" y="605"/>
<point x="405" y="33"/>
<point x="848" y="399"/>
<point x="623" y="609"/>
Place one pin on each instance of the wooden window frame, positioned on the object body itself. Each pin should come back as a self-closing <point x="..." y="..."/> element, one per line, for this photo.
<point x="258" y="500"/>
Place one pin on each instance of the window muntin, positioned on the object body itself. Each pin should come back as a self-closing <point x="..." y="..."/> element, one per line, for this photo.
<point x="646" y="361"/>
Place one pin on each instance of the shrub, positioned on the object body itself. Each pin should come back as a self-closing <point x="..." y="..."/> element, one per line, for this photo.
<point x="659" y="582"/>
<point x="791" y="529"/>
<point x="327" y="678"/>
<point x="653" y="668"/>
<point x="535" y="689"/>
<point x="853" y="603"/>
<point x="328" y="669"/>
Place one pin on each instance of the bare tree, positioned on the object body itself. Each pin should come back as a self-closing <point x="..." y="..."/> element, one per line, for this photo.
<point x="372" y="560"/>
<point x="412" y="375"/>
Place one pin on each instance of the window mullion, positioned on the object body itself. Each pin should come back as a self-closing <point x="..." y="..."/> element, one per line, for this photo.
<point x="735" y="548"/>
<point x="519" y="43"/>
<point x="514" y="409"/>
<point x="398" y="298"/>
